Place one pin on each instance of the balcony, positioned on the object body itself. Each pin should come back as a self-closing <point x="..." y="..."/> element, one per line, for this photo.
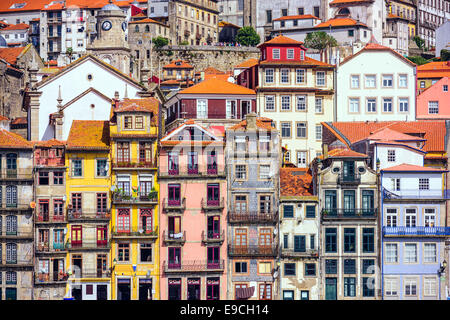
<point x="291" y="252"/>
<point x="51" y="162"/>
<point x="174" y="238"/>
<point x="416" y="231"/>
<point x="134" y="232"/>
<point x="213" y="237"/>
<point x="138" y="198"/>
<point x="14" y="174"/>
<point x="88" y="245"/>
<point x="194" y="171"/>
<point x="17" y="234"/>
<point x="416" y="194"/>
<point x="174" y="205"/>
<point x="88" y="215"/>
<point x="45" y="247"/>
<point x="54" y="20"/>
<point x="349" y="178"/>
<point x="54" y="49"/>
<point x="54" y="35"/>
<point x="253" y="251"/>
<point x="15" y="262"/>
<point x="194" y="266"/>
<point x="15" y="205"/>
<point x="329" y="214"/>
<point x="51" y="278"/>
<point x="135" y="163"/>
<point x="90" y="273"/>
<point x="47" y="218"/>
<point x="211" y="169"/>
<point x="210" y="204"/>
<point x="253" y="217"/>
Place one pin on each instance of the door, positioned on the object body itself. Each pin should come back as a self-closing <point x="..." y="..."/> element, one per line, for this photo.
<point x="102" y="292"/>
<point x="76" y="237"/>
<point x="145" y="289"/>
<point x="102" y="236"/>
<point x="265" y="240"/>
<point x="174" y="289"/>
<point x="123" y="152"/>
<point x="240" y="240"/>
<point x="123" y="289"/>
<point x="213" y="194"/>
<point x="212" y="289"/>
<point x="174" y="227"/>
<point x="231" y="109"/>
<point x="349" y="202"/>
<point x="174" y="258"/>
<point x="146" y="220"/>
<point x="77" y="265"/>
<point x="330" y="202"/>
<point x="349" y="171"/>
<point x="172" y="159"/>
<point x="123" y="220"/>
<point x="193" y="289"/>
<point x="213" y="227"/>
<point x="330" y="289"/>
<point x="368" y="202"/>
<point x="213" y="257"/>
<point x="212" y="163"/>
<point x="174" y="195"/>
<point x="101" y="265"/>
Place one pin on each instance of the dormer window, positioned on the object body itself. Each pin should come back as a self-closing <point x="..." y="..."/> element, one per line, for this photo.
<point x="276" y="53"/>
<point x="128" y="122"/>
<point x="139" y="122"/>
<point x="290" y="53"/>
<point x="302" y="55"/>
<point x="178" y="63"/>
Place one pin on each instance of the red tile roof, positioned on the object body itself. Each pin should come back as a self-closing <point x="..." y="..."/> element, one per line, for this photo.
<point x="339" y="22"/>
<point x="295" y="182"/>
<point x="296" y="17"/>
<point x="307" y="62"/>
<point x="138" y="105"/>
<point x="89" y="135"/>
<point x="12" y="140"/>
<point x="345" y="153"/>
<point x="20" y="26"/>
<point x="50" y="143"/>
<point x="338" y="2"/>
<point x="436" y="69"/>
<point x="147" y="20"/>
<point x="387" y="134"/>
<point x="261" y="123"/>
<point x="281" y="40"/>
<point x="411" y="167"/>
<point x="10" y="55"/>
<point x="216" y="86"/>
<point x="433" y="131"/>
<point x="2" y="118"/>
<point x="248" y="63"/>
<point x="182" y="65"/>
<point x="20" y="120"/>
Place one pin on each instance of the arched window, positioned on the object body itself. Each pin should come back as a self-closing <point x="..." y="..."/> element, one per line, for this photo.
<point x="136" y="29"/>
<point x="147" y="28"/>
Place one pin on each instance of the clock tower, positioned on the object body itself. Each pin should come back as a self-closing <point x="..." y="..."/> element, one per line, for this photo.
<point x="110" y="44"/>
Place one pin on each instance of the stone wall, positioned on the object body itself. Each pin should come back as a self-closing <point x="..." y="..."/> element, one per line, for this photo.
<point x="202" y="57"/>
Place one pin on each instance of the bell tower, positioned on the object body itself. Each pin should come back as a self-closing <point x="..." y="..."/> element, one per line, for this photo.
<point x="110" y="44"/>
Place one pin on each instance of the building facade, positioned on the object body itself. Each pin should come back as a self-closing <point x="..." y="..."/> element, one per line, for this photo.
<point x="432" y="103"/>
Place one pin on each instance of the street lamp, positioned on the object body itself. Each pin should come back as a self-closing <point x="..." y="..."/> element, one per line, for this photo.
<point x="442" y="267"/>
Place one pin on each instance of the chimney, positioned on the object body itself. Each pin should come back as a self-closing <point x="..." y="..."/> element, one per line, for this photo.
<point x="116" y="95"/>
<point x="251" y="120"/>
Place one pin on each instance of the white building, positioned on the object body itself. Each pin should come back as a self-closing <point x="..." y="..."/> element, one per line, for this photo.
<point x="443" y="38"/>
<point x="379" y="91"/>
<point x="15" y="35"/>
<point x="81" y="91"/>
<point x="396" y="34"/>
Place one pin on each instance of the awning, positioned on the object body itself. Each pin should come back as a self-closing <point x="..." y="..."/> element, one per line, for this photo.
<point x="244" y="293"/>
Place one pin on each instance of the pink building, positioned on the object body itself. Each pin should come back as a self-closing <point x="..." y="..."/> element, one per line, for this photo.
<point x="192" y="223"/>
<point x="433" y="103"/>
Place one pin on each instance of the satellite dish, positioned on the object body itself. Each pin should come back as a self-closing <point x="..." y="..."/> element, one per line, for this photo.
<point x="230" y="79"/>
<point x="107" y="167"/>
<point x="64" y="198"/>
<point x="275" y="274"/>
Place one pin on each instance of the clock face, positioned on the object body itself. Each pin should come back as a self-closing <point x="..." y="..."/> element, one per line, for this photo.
<point x="124" y="26"/>
<point x="106" y="25"/>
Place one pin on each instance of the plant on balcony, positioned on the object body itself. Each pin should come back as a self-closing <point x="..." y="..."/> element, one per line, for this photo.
<point x="153" y="194"/>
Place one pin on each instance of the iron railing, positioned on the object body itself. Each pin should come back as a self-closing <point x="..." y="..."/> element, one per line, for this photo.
<point x="354" y="178"/>
<point x="212" y="204"/>
<point x="16" y="174"/>
<point x="211" y="236"/>
<point x="135" y="197"/>
<point x="253" y="250"/>
<point x="134" y="163"/>
<point x="291" y="252"/>
<point x="50" y="277"/>
<point x="417" y="231"/>
<point x="440" y="194"/>
<point x="253" y="217"/>
<point x="88" y="244"/>
<point x="171" y="237"/>
<point x="134" y="231"/>
<point x="194" y="266"/>
<point x="85" y="214"/>
<point x="332" y="213"/>
<point x="20" y="233"/>
<point x="89" y="273"/>
<point x="50" y="218"/>
<point x="179" y="205"/>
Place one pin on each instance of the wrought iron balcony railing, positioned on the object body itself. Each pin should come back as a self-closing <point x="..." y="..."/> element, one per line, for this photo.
<point x="46" y="247"/>
<point x="292" y="252"/>
<point x="438" y="194"/>
<point x="174" y="205"/>
<point x="89" y="273"/>
<point x="213" y="204"/>
<point x="134" y="232"/>
<point x="333" y="213"/>
<point x="19" y="234"/>
<point x="416" y="231"/>
<point x="13" y="174"/>
<point x="88" y="244"/>
<point x="253" y="250"/>
<point x="84" y="214"/>
<point x="48" y="278"/>
<point x="134" y="163"/>
<point x="135" y="197"/>
<point x="253" y="217"/>
<point x="50" y="218"/>
<point x="194" y="266"/>
<point x="354" y="178"/>
<point x="213" y="237"/>
<point x="174" y="238"/>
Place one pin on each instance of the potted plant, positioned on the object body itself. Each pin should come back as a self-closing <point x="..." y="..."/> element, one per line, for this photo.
<point x="153" y="194"/>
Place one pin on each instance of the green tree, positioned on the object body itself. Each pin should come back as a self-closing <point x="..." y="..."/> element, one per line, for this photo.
<point x="417" y="60"/>
<point x="419" y="41"/>
<point x="247" y="36"/>
<point x="320" y="40"/>
<point x="160" y="42"/>
<point x="445" y="55"/>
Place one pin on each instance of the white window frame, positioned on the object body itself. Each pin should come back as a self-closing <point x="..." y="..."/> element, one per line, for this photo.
<point x="270" y="103"/>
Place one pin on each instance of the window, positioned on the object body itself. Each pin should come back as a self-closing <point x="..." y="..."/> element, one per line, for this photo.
<point x="264" y="267"/>
<point x="391" y="253"/>
<point x="11" y="277"/>
<point x="301" y="103"/>
<point x="284" y="75"/>
<point x="139" y="122"/>
<point x="391" y="155"/>
<point x="320" y="78"/>
<point x="285" y="103"/>
<point x="288" y="211"/>
<point x="429" y="252"/>
<point x="101" y="168"/>
<point x="268" y="16"/>
<point x="422" y="84"/>
<point x="354" y="105"/>
<point x="76" y="202"/>
<point x="354" y="82"/>
<point x="145" y="253"/>
<point x="240" y="171"/>
<point x="264" y="172"/>
<point x="276" y="53"/>
<point x="387" y="80"/>
<point x="391" y="217"/>
<point x="289" y="269"/>
<point x="300" y="75"/>
<point x="368" y="287"/>
<point x="285" y="129"/>
<point x="445" y="88"/>
<point x="410" y="253"/>
<point x="128" y="122"/>
<point x="123" y="220"/>
<point x="102" y="203"/>
<point x="240" y="267"/>
<point x="351" y="33"/>
<point x="202" y="109"/>
<point x="349" y="287"/>
<point x="310" y="269"/>
<point x="301" y="159"/>
<point x="269" y="76"/>
<point x="349" y="266"/>
<point x="370" y="81"/>
<point x="403" y="81"/>
<point x="77" y="168"/>
<point x="387" y="104"/>
<point x="349" y="240"/>
<point x="424" y="184"/>
<point x="290" y="53"/>
<point x="429" y="217"/>
<point x="301" y="130"/>
<point x="265" y="291"/>
<point x="241" y="144"/>
<point x="123" y="252"/>
<point x="330" y="240"/>
<point x="58" y="178"/>
<point x="410" y="288"/>
<point x="318" y="132"/>
<point x="270" y="103"/>
<point x="371" y="104"/>
<point x="310" y="211"/>
<point x="319" y="103"/>
<point x="43" y="178"/>
<point x="368" y="266"/>
<point x="331" y="266"/>
<point x="433" y="107"/>
<point x="368" y="236"/>
<point x="410" y="218"/>
<point x="299" y="243"/>
<point x="287" y="156"/>
<point x="429" y="286"/>
<point x="11" y="196"/>
<point x="403" y="104"/>
<point x="145" y="152"/>
<point x="288" y="295"/>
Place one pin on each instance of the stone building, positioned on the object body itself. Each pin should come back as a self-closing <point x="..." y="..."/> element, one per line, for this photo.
<point x="253" y="158"/>
<point x="191" y="21"/>
<point x="349" y="230"/>
<point x="88" y="211"/>
<point x="431" y="15"/>
<point x="16" y="217"/>
<point x="299" y="235"/>
<point x="50" y="220"/>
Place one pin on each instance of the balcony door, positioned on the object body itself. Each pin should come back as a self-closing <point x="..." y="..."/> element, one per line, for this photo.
<point x="213" y="227"/>
<point x="212" y="162"/>
<point x="265" y="240"/>
<point x="172" y="158"/>
<point x="77" y="236"/>
<point x="174" y="195"/>
<point x="213" y="194"/>
<point x="368" y="202"/>
<point x="192" y="163"/>
<point x="174" y="258"/>
<point x="330" y="201"/>
<point x="101" y="265"/>
<point x="240" y="240"/>
<point x="102" y="236"/>
<point x="213" y="257"/>
<point x="123" y="152"/>
<point x="349" y="202"/>
<point x="123" y="220"/>
<point x="174" y="227"/>
<point x="349" y="171"/>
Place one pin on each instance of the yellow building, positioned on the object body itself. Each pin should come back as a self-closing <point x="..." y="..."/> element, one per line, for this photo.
<point x="88" y="184"/>
<point x="134" y="223"/>
<point x="405" y="9"/>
